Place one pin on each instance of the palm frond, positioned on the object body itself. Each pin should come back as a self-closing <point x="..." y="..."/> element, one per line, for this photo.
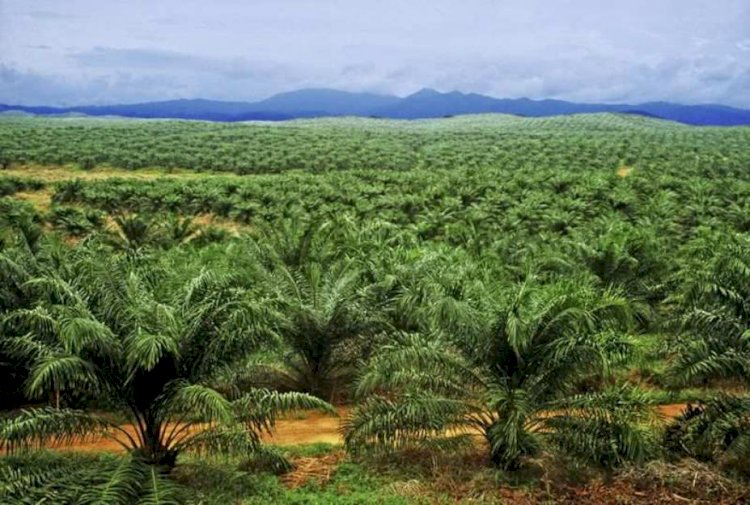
<point x="269" y="459"/>
<point x="27" y="348"/>
<point x="120" y="487"/>
<point x="607" y="429"/>
<point x="716" y="430"/>
<point x="158" y="490"/>
<point x="79" y="333"/>
<point x="411" y="420"/>
<point x="258" y="409"/>
<point x="415" y="362"/>
<point x="60" y="372"/>
<point x="201" y="403"/>
<point x="36" y="428"/>
<point x="145" y="350"/>
<point x="225" y="440"/>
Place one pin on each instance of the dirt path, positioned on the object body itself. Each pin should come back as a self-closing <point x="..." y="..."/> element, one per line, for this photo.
<point x="308" y="428"/>
<point x="672" y="410"/>
<point x="57" y="173"/>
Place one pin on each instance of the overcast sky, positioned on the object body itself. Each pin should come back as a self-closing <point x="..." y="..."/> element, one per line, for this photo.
<point x="114" y="51"/>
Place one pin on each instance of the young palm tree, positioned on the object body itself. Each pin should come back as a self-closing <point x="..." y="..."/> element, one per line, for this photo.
<point x="714" y="344"/>
<point x="131" y="233"/>
<point x="715" y="303"/>
<point x="326" y="328"/>
<point x="518" y="384"/>
<point x="19" y="262"/>
<point x="292" y="243"/>
<point x="158" y="361"/>
<point x="627" y="258"/>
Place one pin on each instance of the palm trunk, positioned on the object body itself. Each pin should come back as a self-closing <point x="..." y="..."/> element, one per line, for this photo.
<point x="154" y="451"/>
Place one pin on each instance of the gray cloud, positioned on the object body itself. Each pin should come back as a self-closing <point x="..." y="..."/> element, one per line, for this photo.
<point x="102" y="52"/>
<point x="149" y="60"/>
<point x="48" y="15"/>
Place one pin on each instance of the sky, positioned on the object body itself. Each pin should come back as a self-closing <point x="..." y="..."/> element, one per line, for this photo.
<point x="73" y="52"/>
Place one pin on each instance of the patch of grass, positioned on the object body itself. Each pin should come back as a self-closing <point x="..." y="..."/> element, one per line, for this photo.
<point x="213" y="482"/>
<point x="309" y="450"/>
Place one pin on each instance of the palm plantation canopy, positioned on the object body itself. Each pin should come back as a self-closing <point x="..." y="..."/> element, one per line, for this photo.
<point x="529" y="290"/>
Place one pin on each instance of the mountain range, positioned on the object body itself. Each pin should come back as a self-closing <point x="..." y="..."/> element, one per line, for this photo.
<point x="427" y="103"/>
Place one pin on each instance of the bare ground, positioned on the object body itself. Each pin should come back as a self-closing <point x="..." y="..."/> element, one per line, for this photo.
<point x="309" y="427"/>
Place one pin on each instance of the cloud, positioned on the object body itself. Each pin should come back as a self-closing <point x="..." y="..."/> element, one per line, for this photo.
<point x="48" y="15"/>
<point x="585" y="50"/>
<point x="170" y="61"/>
<point x="141" y="75"/>
<point x="107" y="57"/>
<point x="126" y="86"/>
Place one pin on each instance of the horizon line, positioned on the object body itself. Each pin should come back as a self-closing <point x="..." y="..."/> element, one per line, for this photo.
<point x="385" y="95"/>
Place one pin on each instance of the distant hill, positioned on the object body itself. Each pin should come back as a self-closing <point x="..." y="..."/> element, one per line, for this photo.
<point x="325" y="102"/>
<point x="426" y="103"/>
<point x="210" y="110"/>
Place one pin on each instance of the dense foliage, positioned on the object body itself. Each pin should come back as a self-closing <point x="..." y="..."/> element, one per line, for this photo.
<point x="541" y="283"/>
<point x="597" y="141"/>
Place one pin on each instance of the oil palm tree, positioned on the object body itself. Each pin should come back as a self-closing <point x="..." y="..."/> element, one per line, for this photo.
<point x="133" y="233"/>
<point x="435" y="290"/>
<point x="293" y="243"/>
<point x="19" y="263"/>
<point x="714" y="344"/>
<point x="326" y="327"/>
<point x="626" y="257"/>
<point x="715" y="315"/>
<point x="518" y="383"/>
<point x="156" y="360"/>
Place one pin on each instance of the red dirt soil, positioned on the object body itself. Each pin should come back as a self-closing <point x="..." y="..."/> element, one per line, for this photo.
<point x="310" y="427"/>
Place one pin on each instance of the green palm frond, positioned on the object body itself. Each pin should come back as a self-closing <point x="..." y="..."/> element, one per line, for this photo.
<point x="27" y="348"/>
<point x="717" y="430"/>
<point x="411" y="420"/>
<point x="25" y="480"/>
<point x="15" y="482"/>
<point x="37" y="320"/>
<point x="200" y="403"/>
<point x="417" y="362"/>
<point x="145" y="350"/>
<point x="258" y="409"/>
<point x="58" y="290"/>
<point x="121" y="486"/>
<point x="607" y="429"/>
<point x="44" y="426"/>
<point x="59" y="372"/>
<point x="513" y="431"/>
<point x="270" y="459"/>
<point x="225" y="440"/>
<point x="79" y="333"/>
<point x="158" y="490"/>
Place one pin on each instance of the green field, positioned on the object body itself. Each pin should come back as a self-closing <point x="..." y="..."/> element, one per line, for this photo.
<point x="499" y="308"/>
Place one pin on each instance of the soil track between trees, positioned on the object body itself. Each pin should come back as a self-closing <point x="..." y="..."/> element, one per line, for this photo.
<point x="56" y="173"/>
<point x="310" y="427"/>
